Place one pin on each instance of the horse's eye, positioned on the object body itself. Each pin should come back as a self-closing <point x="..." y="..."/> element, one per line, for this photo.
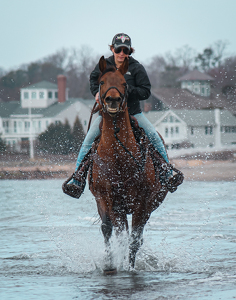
<point x="102" y="82"/>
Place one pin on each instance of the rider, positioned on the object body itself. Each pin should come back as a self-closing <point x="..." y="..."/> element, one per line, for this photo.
<point x="138" y="89"/>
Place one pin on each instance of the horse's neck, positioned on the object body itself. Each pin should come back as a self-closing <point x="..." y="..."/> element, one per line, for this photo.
<point x="125" y="134"/>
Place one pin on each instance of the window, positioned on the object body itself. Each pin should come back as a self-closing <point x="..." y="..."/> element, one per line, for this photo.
<point x="19" y="126"/>
<point x="56" y="95"/>
<point x="208" y="130"/>
<point x="15" y="126"/>
<point x="39" y="125"/>
<point x="41" y="95"/>
<point x="171" y="119"/>
<point x="166" y="132"/>
<point x="26" y="95"/>
<point x="49" y="95"/>
<point x="177" y="130"/>
<point x="203" y="90"/>
<point x="6" y="126"/>
<point x="27" y="126"/>
<point x="172" y="131"/>
<point x="33" y="95"/>
<point x="192" y="130"/>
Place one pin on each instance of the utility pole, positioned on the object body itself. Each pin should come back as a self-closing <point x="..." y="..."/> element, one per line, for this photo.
<point x="31" y="134"/>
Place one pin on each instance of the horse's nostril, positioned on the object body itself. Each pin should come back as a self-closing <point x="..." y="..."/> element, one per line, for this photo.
<point x="108" y="99"/>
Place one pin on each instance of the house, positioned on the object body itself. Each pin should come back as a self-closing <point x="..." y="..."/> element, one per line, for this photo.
<point x="195" y="92"/>
<point x="41" y="104"/>
<point x="195" y="128"/>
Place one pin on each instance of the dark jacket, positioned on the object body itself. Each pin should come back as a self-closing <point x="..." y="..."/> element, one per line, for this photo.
<point x="137" y="79"/>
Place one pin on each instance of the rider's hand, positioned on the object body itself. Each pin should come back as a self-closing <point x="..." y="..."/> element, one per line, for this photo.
<point x="97" y="98"/>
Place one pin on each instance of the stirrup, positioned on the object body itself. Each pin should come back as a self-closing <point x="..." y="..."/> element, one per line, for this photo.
<point x="173" y="183"/>
<point x="80" y="175"/>
<point x="73" y="190"/>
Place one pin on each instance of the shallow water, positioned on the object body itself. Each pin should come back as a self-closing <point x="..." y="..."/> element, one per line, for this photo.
<point x="52" y="246"/>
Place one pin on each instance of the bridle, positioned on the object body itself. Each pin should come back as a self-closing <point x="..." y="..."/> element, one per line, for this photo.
<point x="103" y="96"/>
<point x="117" y="129"/>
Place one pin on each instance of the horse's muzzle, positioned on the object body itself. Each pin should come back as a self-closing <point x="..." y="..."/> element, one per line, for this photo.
<point x="113" y="105"/>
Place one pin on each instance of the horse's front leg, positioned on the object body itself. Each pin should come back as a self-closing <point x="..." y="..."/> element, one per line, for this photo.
<point x="136" y="241"/>
<point x="106" y="228"/>
<point x="139" y="220"/>
<point x="107" y="232"/>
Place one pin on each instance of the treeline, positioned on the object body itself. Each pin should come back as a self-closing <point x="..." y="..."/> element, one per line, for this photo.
<point x="163" y="70"/>
<point x="75" y="64"/>
<point x="60" y="138"/>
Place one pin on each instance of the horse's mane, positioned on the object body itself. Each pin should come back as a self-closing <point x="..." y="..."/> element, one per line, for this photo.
<point x="109" y="69"/>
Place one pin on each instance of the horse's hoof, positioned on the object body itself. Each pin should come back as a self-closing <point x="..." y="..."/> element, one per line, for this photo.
<point x="110" y="272"/>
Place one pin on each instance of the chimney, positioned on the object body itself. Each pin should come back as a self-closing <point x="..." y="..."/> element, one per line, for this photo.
<point x="61" y="83"/>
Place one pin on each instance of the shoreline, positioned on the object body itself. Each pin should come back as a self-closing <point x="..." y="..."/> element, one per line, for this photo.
<point x="193" y="169"/>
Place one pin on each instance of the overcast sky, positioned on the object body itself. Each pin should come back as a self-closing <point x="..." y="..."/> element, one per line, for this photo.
<point x="33" y="29"/>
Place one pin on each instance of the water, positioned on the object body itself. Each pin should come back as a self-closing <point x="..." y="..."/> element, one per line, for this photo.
<point x="52" y="246"/>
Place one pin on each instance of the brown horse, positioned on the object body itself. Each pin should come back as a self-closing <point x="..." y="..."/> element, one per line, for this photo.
<point x="123" y="178"/>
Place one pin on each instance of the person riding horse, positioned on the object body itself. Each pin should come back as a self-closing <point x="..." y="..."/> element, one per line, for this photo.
<point x="138" y="88"/>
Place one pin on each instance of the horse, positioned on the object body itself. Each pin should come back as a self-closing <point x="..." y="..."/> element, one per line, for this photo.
<point x="123" y="178"/>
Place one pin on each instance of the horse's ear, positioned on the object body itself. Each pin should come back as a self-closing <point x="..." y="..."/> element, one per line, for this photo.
<point x="102" y="64"/>
<point x="124" y="67"/>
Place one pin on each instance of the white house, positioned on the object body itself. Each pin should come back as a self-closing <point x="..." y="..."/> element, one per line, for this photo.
<point x="195" y="128"/>
<point x="41" y="104"/>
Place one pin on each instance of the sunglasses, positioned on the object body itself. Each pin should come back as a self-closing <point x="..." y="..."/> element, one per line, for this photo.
<point x="126" y="51"/>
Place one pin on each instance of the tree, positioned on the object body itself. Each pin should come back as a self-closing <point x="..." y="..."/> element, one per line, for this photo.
<point x="2" y="145"/>
<point x="212" y="57"/>
<point x="77" y="135"/>
<point x="57" y="139"/>
<point x="164" y="70"/>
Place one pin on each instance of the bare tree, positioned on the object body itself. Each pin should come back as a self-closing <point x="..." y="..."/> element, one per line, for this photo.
<point x="212" y="57"/>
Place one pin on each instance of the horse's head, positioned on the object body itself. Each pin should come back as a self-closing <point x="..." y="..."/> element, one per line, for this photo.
<point x="112" y="87"/>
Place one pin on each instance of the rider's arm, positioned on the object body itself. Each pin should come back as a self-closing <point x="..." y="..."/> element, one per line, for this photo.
<point x="94" y="81"/>
<point x="139" y="84"/>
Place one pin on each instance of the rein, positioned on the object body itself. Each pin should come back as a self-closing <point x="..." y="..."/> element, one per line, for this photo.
<point x="116" y="130"/>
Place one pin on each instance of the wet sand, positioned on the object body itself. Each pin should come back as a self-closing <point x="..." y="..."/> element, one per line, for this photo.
<point x="59" y="167"/>
<point x="207" y="170"/>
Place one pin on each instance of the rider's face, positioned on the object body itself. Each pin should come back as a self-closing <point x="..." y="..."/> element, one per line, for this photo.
<point x="119" y="57"/>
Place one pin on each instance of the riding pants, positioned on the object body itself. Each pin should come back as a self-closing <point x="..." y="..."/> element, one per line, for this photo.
<point x="150" y="131"/>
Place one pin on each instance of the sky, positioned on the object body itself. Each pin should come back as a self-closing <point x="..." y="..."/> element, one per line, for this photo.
<point x="34" y="29"/>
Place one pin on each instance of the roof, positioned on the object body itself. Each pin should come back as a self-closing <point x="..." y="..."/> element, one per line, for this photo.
<point x="195" y="117"/>
<point x="42" y="85"/>
<point x="14" y="108"/>
<point x="196" y="75"/>
<point x="6" y="108"/>
<point x="177" y="98"/>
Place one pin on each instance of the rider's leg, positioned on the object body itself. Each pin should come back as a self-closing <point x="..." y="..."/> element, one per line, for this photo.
<point x="152" y="135"/>
<point x="87" y="144"/>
